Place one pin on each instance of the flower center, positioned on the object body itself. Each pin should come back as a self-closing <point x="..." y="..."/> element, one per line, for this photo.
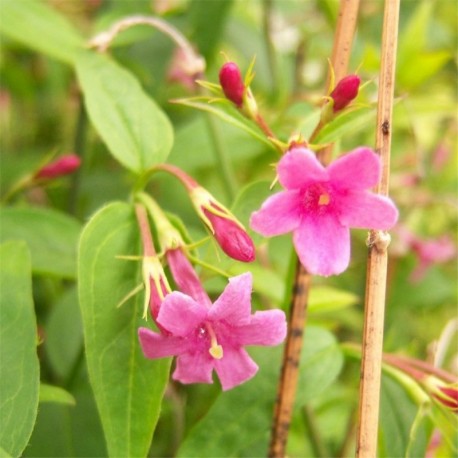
<point x="317" y="197"/>
<point x="215" y="349"/>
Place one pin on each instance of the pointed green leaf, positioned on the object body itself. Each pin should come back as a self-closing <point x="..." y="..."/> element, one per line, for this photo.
<point x="40" y="27"/>
<point x="128" y="388"/>
<point x="18" y="350"/>
<point x="346" y="124"/>
<point x="51" y="236"/>
<point x="135" y="130"/>
<point x="226" y="113"/>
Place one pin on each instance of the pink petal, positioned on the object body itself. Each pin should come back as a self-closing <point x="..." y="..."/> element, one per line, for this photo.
<point x="180" y="314"/>
<point x="367" y="211"/>
<point x="358" y="169"/>
<point x="266" y="328"/>
<point x="185" y="276"/>
<point x="279" y="214"/>
<point x="156" y="345"/>
<point x="234" y="304"/>
<point x="194" y="368"/>
<point x="235" y="367"/>
<point x="323" y="245"/>
<point x="300" y="167"/>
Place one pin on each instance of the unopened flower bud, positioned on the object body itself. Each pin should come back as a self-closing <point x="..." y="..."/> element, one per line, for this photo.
<point x="448" y="396"/>
<point x="224" y="226"/>
<point x="63" y="166"/>
<point x="345" y="91"/>
<point x="231" y="81"/>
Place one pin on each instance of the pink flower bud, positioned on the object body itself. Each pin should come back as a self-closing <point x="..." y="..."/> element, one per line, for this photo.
<point x="345" y="91"/>
<point x="63" y="166"/>
<point x="449" y="397"/>
<point x="231" y="81"/>
<point x="229" y="234"/>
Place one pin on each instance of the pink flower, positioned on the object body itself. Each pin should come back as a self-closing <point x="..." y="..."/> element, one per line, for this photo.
<point x="206" y="338"/>
<point x="63" y="166"/>
<point x="345" y="92"/>
<point x="231" y="81"/>
<point x="320" y="204"/>
<point x="431" y="251"/>
<point x="185" y="276"/>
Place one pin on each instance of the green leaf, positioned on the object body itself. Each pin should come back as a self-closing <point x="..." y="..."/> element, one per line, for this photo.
<point x="56" y="394"/>
<point x="346" y="124"/>
<point x="329" y="299"/>
<point x="128" y="388"/>
<point x="321" y="362"/>
<point x="226" y="113"/>
<point x="238" y="423"/>
<point x="51" y="236"/>
<point x="40" y="27"/>
<point x="136" y="131"/>
<point x="18" y="350"/>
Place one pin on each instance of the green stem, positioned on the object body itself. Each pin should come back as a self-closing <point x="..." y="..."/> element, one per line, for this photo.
<point x="316" y="441"/>
<point x="79" y="148"/>
<point x="222" y="158"/>
<point x="207" y="266"/>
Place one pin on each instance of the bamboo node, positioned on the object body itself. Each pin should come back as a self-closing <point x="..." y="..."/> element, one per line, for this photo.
<point x="380" y="240"/>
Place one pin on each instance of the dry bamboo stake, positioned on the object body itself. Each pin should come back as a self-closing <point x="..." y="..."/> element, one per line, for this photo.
<point x="378" y="242"/>
<point x="341" y="51"/>
<point x="346" y="24"/>
<point x="291" y="359"/>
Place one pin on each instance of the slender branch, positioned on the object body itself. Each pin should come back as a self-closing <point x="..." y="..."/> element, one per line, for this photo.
<point x="316" y="441"/>
<point x="291" y="357"/>
<point x="378" y="256"/>
<point x="346" y="25"/>
<point x="341" y="51"/>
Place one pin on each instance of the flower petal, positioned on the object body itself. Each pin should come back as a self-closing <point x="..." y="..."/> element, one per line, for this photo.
<point x="234" y="303"/>
<point x="194" y="368"/>
<point x="279" y="214"/>
<point x="235" y="367"/>
<point x="358" y="169"/>
<point x="323" y="245"/>
<point x="180" y="314"/>
<point x="266" y="328"/>
<point x="367" y="211"/>
<point x="156" y="345"/>
<point x="300" y="167"/>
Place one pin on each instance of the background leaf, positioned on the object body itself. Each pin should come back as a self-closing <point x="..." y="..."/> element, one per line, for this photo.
<point x="40" y="27"/>
<point x="18" y="353"/>
<point x="128" y="388"/>
<point x="136" y="131"/>
<point x="56" y="394"/>
<point x="51" y="236"/>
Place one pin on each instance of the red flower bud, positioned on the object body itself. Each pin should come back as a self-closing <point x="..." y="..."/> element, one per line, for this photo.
<point x="345" y="91"/>
<point x="62" y="166"/>
<point x="449" y="397"/>
<point x="231" y="237"/>
<point x="231" y="81"/>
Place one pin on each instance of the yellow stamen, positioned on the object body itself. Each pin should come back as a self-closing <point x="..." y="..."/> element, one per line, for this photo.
<point x="324" y="199"/>
<point x="215" y="350"/>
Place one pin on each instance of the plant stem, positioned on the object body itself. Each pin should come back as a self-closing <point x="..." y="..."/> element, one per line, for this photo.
<point x="341" y="51"/>
<point x="378" y="257"/>
<point x="318" y="446"/>
<point x="299" y="303"/>
<point x="220" y="150"/>
<point x="291" y="357"/>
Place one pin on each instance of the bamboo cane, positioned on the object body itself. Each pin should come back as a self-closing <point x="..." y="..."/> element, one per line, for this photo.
<point x="378" y="242"/>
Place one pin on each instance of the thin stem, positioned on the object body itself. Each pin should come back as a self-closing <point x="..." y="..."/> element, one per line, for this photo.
<point x="79" y="149"/>
<point x="271" y="58"/>
<point x="145" y="231"/>
<point x="221" y="155"/>
<point x="341" y="51"/>
<point x="316" y="441"/>
<point x="291" y="357"/>
<point x="371" y="364"/>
